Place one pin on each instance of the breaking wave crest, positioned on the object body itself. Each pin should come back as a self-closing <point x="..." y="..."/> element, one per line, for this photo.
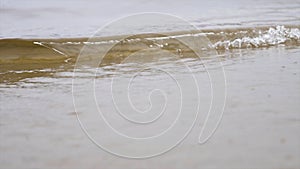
<point x="273" y="36"/>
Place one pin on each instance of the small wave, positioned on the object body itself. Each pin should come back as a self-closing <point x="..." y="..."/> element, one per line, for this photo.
<point x="216" y="39"/>
<point x="229" y="39"/>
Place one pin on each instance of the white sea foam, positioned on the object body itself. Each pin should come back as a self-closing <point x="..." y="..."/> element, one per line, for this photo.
<point x="273" y="36"/>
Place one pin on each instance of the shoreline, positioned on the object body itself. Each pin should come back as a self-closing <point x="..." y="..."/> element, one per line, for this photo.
<point x="220" y="40"/>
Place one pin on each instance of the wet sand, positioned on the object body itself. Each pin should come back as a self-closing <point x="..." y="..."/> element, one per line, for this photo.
<point x="259" y="128"/>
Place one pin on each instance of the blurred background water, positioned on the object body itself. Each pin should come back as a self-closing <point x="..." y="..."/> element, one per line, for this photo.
<point x="81" y="18"/>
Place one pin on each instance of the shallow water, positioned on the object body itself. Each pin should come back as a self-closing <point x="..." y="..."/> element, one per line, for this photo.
<point x="259" y="127"/>
<point x="53" y="102"/>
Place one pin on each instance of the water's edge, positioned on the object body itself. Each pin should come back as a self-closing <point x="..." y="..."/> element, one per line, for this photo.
<point x="13" y="50"/>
